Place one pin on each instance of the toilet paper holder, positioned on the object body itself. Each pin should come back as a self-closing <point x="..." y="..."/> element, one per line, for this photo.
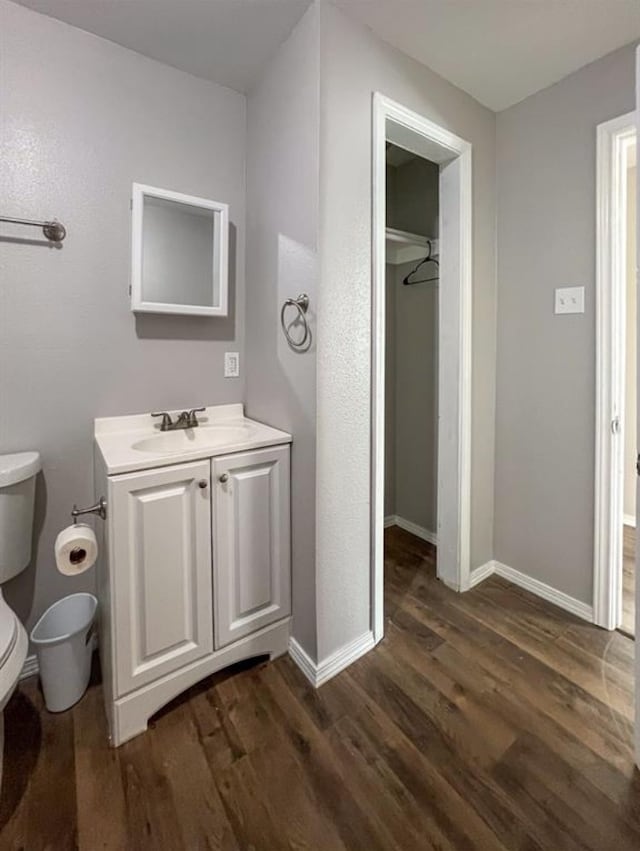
<point x="100" y="508"/>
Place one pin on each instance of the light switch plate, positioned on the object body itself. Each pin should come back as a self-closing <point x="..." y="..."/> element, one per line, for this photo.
<point x="231" y="365"/>
<point x="569" y="300"/>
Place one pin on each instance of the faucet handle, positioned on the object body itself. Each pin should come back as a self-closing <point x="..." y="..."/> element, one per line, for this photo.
<point x="193" y="420"/>
<point x="166" y="423"/>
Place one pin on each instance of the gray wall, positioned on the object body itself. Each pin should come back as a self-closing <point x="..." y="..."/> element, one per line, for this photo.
<point x="390" y="391"/>
<point x="282" y="244"/>
<point x="416" y="401"/>
<point x="414" y="205"/>
<point x="81" y="120"/>
<point x="354" y="64"/>
<point x="412" y="365"/>
<point x="545" y="410"/>
<point x="390" y="359"/>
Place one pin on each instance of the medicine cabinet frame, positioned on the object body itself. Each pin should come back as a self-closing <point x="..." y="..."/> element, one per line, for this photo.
<point x="220" y="247"/>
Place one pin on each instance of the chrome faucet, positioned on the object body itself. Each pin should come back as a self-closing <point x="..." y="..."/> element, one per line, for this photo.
<point x="185" y="419"/>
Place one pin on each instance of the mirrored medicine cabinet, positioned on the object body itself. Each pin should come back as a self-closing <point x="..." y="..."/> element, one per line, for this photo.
<point x="179" y="253"/>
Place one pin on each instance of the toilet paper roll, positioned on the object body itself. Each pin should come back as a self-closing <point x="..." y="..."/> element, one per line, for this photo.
<point x="76" y="549"/>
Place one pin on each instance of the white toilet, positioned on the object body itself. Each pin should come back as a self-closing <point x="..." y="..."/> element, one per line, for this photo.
<point x="17" y="491"/>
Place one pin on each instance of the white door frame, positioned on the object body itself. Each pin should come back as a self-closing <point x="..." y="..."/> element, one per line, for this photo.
<point x="637" y="565"/>
<point x="408" y="129"/>
<point x="614" y="139"/>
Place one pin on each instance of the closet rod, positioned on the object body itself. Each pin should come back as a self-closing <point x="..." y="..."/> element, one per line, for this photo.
<point x="53" y="230"/>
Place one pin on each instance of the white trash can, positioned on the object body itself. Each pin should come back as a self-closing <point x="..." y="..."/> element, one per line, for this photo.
<point x="62" y="639"/>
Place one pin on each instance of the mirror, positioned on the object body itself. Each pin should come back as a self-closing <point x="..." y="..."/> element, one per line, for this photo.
<point x="179" y="253"/>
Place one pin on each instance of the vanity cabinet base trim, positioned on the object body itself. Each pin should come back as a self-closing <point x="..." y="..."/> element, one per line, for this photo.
<point x="128" y="716"/>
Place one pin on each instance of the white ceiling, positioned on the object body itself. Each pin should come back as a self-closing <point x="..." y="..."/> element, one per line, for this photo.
<point x="227" y="41"/>
<point x="501" y="51"/>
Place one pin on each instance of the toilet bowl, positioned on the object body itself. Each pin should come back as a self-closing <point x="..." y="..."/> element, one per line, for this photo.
<point x="17" y="492"/>
<point x="13" y="651"/>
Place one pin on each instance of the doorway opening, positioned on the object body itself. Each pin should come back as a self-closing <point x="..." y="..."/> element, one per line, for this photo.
<point x="411" y="355"/>
<point x="431" y="410"/>
<point x="616" y="377"/>
<point x="628" y="618"/>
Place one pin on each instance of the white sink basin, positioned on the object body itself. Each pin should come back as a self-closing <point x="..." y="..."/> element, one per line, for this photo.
<point x="133" y="442"/>
<point x="182" y="440"/>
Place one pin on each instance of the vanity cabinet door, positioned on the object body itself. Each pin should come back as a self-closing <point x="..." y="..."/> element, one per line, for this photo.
<point x="161" y="561"/>
<point x="252" y="550"/>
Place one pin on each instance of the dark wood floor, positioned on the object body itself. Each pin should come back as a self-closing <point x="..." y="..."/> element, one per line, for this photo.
<point x="628" y="581"/>
<point x="489" y="720"/>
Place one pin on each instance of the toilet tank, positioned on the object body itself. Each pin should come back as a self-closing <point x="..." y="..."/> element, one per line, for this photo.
<point x="17" y="491"/>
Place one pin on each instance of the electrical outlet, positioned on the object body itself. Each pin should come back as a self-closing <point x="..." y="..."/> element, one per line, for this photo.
<point x="569" y="300"/>
<point x="231" y="365"/>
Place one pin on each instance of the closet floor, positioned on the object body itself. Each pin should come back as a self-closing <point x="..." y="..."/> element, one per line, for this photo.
<point x="489" y="720"/>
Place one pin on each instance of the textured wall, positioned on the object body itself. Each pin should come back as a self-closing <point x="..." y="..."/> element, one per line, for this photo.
<point x="354" y="64"/>
<point x="545" y="414"/>
<point x="282" y="236"/>
<point x="81" y="120"/>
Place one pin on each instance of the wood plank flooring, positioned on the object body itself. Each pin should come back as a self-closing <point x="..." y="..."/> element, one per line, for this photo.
<point x="489" y="720"/>
<point x="628" y="581"/>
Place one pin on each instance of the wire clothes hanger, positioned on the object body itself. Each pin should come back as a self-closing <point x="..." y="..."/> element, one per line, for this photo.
<point x="428" y="259"/>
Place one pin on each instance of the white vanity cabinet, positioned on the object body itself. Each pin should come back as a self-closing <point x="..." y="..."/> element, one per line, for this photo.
<point x="161" y="561"/>
<point x="195" y="561"/>
<point x="251" y="541"/>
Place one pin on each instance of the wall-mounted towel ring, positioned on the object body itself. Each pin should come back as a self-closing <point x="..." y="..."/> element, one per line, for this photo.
<point x="302" y="305"/>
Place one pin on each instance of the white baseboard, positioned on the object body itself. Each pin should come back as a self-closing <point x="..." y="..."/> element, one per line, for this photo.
<point x="547" y="592"/>
<point x="535" y="586"/>
<point x="303" y="660"/>
<point x="629" y="520"/>
<point x="320" y="672"/>
<point x="408" y="526"/>
<point x="479" y="574"/>
<point x="30" y="667"/>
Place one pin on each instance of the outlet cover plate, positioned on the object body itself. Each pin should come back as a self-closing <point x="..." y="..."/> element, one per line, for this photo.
<point x="231" y="365"/>
<point x="569" y="300"/>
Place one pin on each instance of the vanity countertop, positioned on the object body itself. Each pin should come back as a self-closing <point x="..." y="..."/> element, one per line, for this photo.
<point x="136" y="442"/>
